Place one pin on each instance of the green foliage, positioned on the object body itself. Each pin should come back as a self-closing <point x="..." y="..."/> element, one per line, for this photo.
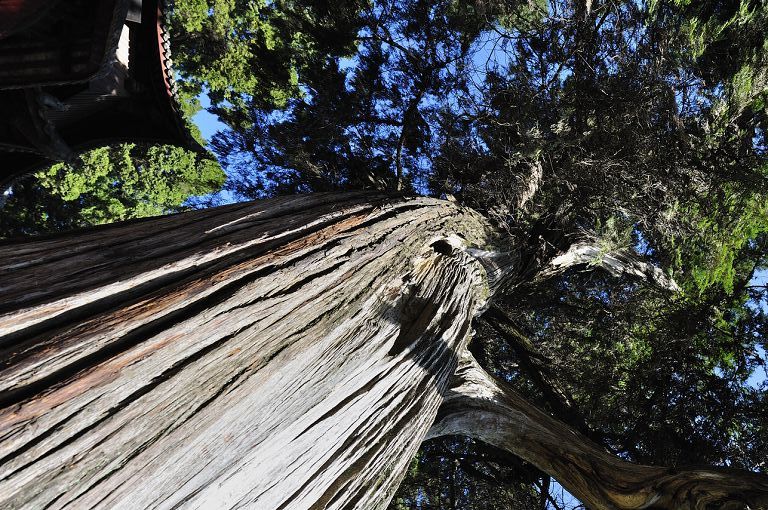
<point x="712" y="245"/>
<point x="190" y="105"/>
<point x="109" y="184"/>
<point x="729" y="41"/>
<point x="253" y="52"/>
<point x="214" y="45"/>
<point x="712" y="255"/>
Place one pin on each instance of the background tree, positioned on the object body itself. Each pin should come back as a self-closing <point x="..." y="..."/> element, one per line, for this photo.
<point x="243" y="53"/>
<point x="106" y="185"/>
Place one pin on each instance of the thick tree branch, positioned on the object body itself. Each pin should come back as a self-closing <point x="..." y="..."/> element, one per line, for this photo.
<point x="479" y="407"/>
<point x="615" y="263"/>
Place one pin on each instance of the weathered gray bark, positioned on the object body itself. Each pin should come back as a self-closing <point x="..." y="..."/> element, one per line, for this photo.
<point x="284" y="354"/>
<point x="614" y="263"/>
<point x="291" y="353"/>
<point x="479" y="407"/>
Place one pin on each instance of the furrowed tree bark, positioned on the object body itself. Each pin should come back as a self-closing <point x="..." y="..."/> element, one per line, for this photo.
<point x="290" y="353"/>
<point x="481" y="408"/>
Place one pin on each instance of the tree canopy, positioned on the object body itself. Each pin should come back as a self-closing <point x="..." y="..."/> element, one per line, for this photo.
<point x="106" y="185"/>
<point x="630" y="134"/>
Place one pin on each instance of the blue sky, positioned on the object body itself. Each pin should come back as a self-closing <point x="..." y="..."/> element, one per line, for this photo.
<point x="207" y="122"/>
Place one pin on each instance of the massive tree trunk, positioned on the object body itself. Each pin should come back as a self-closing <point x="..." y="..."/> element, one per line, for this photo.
<point x="291" y="353"/>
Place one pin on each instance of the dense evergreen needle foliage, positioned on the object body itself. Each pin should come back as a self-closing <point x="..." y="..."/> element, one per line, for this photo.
<point x="106" y="185"/>
<point x="637" y="127"/>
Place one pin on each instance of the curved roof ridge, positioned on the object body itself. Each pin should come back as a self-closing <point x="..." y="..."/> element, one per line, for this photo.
<point x="165" y="8"/>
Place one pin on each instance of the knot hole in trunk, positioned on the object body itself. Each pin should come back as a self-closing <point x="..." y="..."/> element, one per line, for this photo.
<point x="443" y="247"/>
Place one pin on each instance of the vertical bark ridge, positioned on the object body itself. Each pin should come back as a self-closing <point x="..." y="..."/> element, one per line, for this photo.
<point x="479" y="407"/>
<point x="245" y="357"/>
